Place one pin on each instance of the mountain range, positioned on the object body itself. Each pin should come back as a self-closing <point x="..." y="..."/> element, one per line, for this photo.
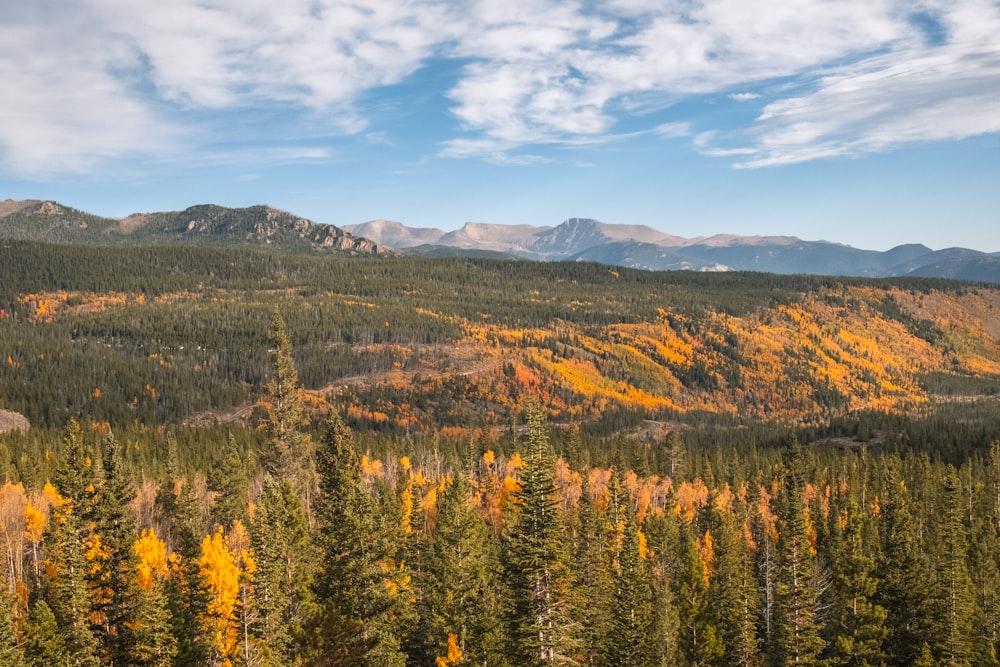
<point x="576" y="239"/>
<point x="637" y="246"/>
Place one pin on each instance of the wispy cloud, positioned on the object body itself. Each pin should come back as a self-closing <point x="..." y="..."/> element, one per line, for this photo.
<point x="93" y="80"/>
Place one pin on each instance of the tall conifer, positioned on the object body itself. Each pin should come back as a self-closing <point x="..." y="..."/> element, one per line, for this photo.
<point x="541" y="631"/>
<point x="362" y="602"/>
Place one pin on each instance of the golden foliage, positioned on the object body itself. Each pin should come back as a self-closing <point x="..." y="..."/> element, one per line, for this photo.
<point x="453" y="655"/>
<point x="152" y="553"/>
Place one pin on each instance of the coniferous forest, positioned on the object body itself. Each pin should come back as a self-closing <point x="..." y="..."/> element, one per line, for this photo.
<point x="240" y="457"/>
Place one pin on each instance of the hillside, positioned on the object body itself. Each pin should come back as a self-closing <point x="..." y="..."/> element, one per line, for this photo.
<point x="172" y="334"/>
<point x="198" y="225"/>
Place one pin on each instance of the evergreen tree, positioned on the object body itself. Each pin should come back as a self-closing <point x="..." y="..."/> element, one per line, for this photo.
<point x="457" y="582"/>
<point x="74" y="475"/>
<point x="734" y="592"/>
<point x="699" y="636"/>
<point x="187" y="596"/>
<point x="907" y="583"/>
<point x="361" y="620"/>
<point x="44" y="645"/>
<point x="229" y="480"/>
<point x="283" y="554"/>
<point x="593" y="584"/>
<point x="663" y="538"/>
<point x="629" y="643"/>
<point x="289" y="451"/>
<point x="10" y="652"/>
<point x="540" y="627"/>
<point x="857" y="624"/>
<point x="150" y="640"/>
<point x="112" y="576"/>
<point x="959" y="602"/>
<point x="797" y="639"/>
<point x="64" y="586"/>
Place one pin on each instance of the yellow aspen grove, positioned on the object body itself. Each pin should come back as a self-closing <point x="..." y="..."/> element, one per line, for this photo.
<point x="220" y="571"/>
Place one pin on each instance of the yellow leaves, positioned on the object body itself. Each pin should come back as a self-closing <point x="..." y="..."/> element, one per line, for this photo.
<point x="34" y="523"/>
<point x="220" y="566"/>
<point x="371" y="468"/>
<point x="152" y="553"/>
<point x="453" y="655"/>
<point x="706" y="547"/>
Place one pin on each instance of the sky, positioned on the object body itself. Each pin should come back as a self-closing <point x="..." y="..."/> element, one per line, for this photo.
<point x="866" y="122"/>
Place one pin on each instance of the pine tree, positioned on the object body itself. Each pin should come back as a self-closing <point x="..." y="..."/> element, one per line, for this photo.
<point x="540" y="628"/>
<point x="797" y="639"/>
<point x="10" y="651"/>
<point x="457" y="582"/>
<point x="289" y="451"/>
<point x="44" y="645"/>
<point x="907" y="587"/>
<point x="361" y="620"/>
<point x="734" y="591"/>
<point x="959" y="601"/>
<point x="283" y="553"/>
<point x="699" y="636"/>
<point x="632" y="610"/>
<point x="857" y="623"/>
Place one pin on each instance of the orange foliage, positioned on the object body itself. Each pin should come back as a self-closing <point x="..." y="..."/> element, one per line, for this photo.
<point x="453" y="655"/>
<point x="691" y="497"/>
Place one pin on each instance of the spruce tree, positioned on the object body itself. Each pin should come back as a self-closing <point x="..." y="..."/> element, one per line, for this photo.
<point x="112" y="577"/>
<point x="959" y="602"/>
<point x="44" y="645"/>
<point x="457" y="582"/>
<point x="229" y="480"/>
<point x="698" y="638"/>
<point x="540" y="629"/>
<point x="186" y="592"/>
<point x="283" y="553"/>
<point x="593" y="582"/>
<point x="663" y="544"/>
<point x="907" y="586"/>
<point x="796" y="638"/>
<point x="362" y="603"/>
<point x="10" y="651"/>
<point x="289" y="451"/>
<point x="629" y="642"/>
<point x="734" y="592"/>
<point x="64" y="586"/>
<point x="857" y="623"/>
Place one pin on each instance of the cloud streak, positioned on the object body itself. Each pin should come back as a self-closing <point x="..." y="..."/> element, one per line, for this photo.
<point x="100" y="79"/>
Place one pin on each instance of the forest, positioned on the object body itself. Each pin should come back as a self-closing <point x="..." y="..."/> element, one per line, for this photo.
<point x="240" y="457"/>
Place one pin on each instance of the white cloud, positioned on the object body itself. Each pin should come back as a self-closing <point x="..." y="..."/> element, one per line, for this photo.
<point x="92" y="80"/>
<point x="948" y="92"/>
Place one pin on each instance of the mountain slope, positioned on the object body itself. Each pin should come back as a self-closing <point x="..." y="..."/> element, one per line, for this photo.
<point x="202" y="225"/>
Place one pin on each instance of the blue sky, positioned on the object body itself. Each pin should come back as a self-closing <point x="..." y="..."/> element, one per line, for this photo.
<point x="866" y="122"/>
